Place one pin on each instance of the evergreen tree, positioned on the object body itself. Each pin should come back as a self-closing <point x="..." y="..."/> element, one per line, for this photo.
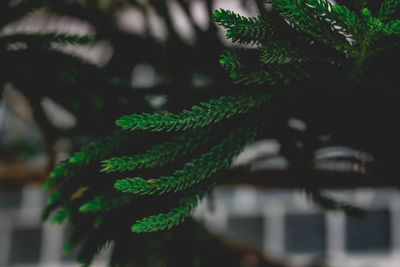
<point x="312" y="59"/>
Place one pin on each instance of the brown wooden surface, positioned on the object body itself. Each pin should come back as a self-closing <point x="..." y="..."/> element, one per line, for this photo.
<point x="17" y="174"/>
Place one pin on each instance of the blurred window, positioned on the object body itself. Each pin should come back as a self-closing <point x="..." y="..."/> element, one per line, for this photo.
<point x="305" y="233"/>
<point x="25" y="246"/>
<point x="371" y="233"/>
<point x="248" y="230"/>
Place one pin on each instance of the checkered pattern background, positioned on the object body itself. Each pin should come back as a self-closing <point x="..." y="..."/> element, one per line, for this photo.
<point x="282" y="224"/>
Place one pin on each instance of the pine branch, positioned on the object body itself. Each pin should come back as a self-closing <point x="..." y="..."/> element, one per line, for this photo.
<point x="340" y="18"/>
<point x="64" y="169"/>
<point x="104" y="203"/>
<point x="199" y="116"/>
<point x="219" y="157"/>
<point x="328" y="203"/>
<point x="246" y="66"/>
<point x="60" y="216"/>
<point x="87" y="198"/>
<point x="68" y="170"/>
<point x="175" y="216"/>
<point x="52" y="204"/>
<point x="66" y="197"/>
<point x="101" y="148"/>
<point x="283" y="53"/>
<point x="160" y="155"/>
<point x="93" y="152"/>
<point x="244" y="30"/>
<point x="302" y="15"/>
<point x="271" y="75"/>
<point x="234" y="59"/>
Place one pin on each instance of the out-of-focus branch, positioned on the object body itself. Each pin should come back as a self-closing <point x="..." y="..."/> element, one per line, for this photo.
<point x="49" y="131"/>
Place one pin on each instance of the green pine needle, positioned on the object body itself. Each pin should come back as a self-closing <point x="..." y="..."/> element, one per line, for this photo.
<point x="104" y="203"/>
<point x="318" y="19"/>
<point x="64" y="169"/>
<point x="279" y="52"/>
<point x="193" y="172"/>
<point x="101" y="148"/>
<point x="265" y="65"/>
<point x="159" y="155"/>
<point x="175" y="216"/>
<point x="54" y="197"/>
<point x="60" y="216"/>
<point x="244" y="30"/>
<point x="340" y="18"/>
<point x="199" y="116"/>
<point x="91" y="153"/>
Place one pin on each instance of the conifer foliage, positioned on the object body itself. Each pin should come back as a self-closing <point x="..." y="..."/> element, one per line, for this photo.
<point x="99" y="189"/>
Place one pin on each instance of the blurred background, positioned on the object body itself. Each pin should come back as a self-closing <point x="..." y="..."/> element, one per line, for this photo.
<point x="166" y="53"/>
